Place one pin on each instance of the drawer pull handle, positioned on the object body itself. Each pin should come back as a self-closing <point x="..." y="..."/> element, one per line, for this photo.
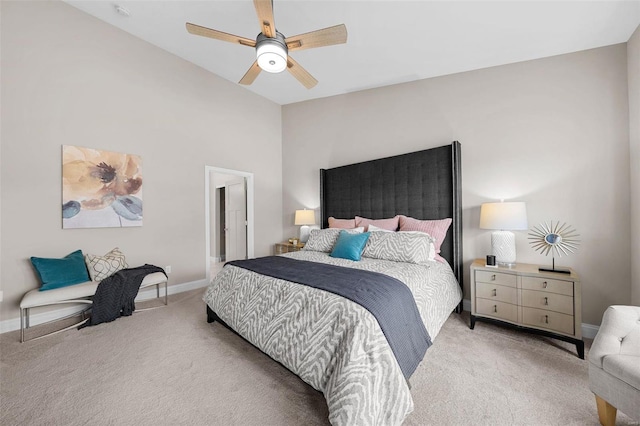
<point x="495" y="292"/>
<point x="493" y="277"/>
<point x="544" y="284"/>
<point x="546" y="300"/>
<point x="495" y="308"/>
<point x="546" y="319"/>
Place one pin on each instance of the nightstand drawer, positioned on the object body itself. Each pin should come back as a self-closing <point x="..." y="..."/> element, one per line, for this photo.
<point x="500" y="293"/>
<point x="548" y="301"/>
<point x="495" y="309"/>
<point x="550" y="285"/>
<point x="547" y="319"/>
<point x="496" y="278"/>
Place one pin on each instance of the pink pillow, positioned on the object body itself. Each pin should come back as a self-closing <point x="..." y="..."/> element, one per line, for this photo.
<point x="342" y="223"/>
<point x="436" y="228"/>
<point x="390" y="224"/>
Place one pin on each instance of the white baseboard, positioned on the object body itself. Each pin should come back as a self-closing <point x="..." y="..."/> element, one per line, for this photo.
<point x="146" y="294"/>
<point x="589" y="331"/>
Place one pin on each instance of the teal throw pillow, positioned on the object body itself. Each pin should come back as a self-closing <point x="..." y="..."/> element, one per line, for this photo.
<point x="350" y="246"/>
<point x="56" y="273"/>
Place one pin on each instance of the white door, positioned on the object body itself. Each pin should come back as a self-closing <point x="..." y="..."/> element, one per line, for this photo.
<point x="235" y="219"/>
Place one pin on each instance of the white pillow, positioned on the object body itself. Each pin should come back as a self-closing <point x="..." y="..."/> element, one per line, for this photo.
<point x="101" y="267"/>
<point x="324" y="239"/>
<point x="373" y="228"/>
<point x="410" y="247"/>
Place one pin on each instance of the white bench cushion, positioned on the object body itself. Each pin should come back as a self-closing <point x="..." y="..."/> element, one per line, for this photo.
<point x="78" y="291"/>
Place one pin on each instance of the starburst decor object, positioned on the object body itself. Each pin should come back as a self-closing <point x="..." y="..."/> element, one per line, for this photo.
<point x="555" y="239"/>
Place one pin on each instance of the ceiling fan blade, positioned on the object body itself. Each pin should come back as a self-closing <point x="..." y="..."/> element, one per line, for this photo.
<point x="219" y="35"/>
<point x="264" y="9"/>
<point x="251" y="75"/>
<point x="325" y="37"/>
<point x="301" y="74"/>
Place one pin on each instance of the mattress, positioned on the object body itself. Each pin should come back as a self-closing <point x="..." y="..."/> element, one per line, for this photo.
<point x="332" y="343"/>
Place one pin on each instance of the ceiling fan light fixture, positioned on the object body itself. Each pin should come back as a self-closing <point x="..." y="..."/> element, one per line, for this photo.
<point x="271" y="53"/>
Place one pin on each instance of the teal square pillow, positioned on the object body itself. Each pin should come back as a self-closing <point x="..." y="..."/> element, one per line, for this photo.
<point x="56" y="273"/>
<point x="350" y="246"/>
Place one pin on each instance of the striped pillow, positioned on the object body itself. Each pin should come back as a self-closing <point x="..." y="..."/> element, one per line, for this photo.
<point x="436" y="228"/>
<point x="410" y="247"/>
<point x="325" y="239"/>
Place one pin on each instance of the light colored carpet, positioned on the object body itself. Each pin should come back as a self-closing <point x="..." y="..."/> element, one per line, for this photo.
<point x="169" y="367"/>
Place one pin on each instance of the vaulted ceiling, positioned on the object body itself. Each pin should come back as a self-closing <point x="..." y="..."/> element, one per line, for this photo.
<point x="389" y="42"/>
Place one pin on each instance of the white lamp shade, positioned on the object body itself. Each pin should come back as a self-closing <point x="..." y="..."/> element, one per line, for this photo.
<point x="305" y="217"/>
<point x="505" y="216"/>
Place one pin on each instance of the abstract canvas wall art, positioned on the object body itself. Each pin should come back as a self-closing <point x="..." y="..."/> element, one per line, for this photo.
<point x="100" y="189"/>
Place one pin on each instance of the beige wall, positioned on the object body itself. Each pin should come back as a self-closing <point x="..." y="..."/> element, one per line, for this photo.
<point x="633" y="71"/>
<point x="552" y="132"/>
<point x="68" y="78"/>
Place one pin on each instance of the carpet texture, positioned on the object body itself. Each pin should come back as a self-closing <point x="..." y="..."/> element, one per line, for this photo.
<point x="169" y="367"/>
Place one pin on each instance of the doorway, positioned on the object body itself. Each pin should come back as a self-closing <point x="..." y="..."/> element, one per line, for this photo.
<point x="228" y="217"/>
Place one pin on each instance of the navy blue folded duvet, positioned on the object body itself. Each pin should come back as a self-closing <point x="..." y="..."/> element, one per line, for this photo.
<point x="387" y="298"/>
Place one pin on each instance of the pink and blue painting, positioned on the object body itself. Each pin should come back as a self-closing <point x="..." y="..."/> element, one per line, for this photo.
<point x="100" y="189"/>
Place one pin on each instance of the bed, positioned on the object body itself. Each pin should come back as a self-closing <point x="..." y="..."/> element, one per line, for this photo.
<point x="332" y="343"/>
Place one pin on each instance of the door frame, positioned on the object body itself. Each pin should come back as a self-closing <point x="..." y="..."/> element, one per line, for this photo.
<point x="208" y="170"/>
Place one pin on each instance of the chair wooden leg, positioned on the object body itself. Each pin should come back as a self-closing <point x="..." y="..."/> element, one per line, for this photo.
<point x="606" y="412"/>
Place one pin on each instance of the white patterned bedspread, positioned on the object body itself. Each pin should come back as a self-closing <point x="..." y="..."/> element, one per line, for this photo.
<point x="332" y="343"/>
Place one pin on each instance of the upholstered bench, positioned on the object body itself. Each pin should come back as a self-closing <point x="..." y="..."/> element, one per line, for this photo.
<point x="76" y="294"/>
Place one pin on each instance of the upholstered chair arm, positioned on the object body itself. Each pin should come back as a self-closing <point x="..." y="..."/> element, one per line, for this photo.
<point x="619" y="334"/>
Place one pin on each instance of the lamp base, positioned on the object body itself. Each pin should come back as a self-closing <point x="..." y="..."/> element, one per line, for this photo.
<point x="305" y="230"/>
<point x="503" y="247"/>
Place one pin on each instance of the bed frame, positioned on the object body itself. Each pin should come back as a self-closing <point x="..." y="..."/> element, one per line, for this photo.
<point x="424" y="185"/>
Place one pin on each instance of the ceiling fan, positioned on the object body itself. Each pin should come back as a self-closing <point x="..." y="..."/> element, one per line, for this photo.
<point x="272" y="48"/>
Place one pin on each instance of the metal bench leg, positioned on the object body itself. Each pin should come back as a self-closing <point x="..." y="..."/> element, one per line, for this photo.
<point x="166" y="300"/>
<point x="25" y="318"/>
<point x="166" y="293"/>
<point x="21" y="325"/>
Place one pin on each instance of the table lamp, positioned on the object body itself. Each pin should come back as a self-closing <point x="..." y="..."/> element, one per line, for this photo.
<point x="504" y="218"/>
<point x="305" y="218"/>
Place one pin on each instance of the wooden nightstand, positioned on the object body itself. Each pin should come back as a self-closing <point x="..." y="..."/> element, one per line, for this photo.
<point x="287" y="247"/>
<point x="544" y="303"/>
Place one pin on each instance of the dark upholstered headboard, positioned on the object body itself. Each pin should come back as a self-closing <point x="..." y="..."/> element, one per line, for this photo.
<point x="424" y="185"/>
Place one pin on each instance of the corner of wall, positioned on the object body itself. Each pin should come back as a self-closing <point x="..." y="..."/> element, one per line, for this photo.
<point x="633" y="76"/>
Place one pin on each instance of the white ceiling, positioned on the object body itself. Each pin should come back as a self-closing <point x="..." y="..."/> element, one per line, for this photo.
<point x="388" y="42"/>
